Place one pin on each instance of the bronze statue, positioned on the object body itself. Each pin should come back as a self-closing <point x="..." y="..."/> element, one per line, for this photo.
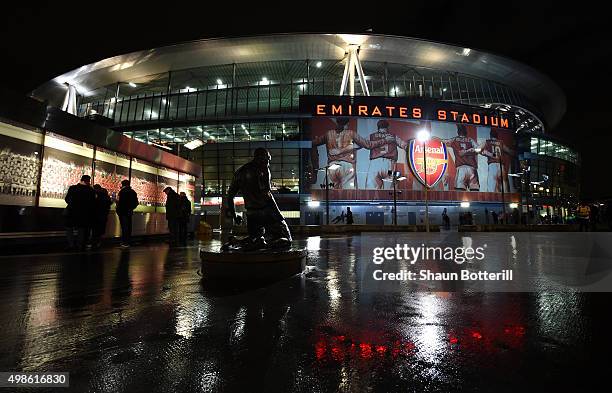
<point x="266" y="225"/>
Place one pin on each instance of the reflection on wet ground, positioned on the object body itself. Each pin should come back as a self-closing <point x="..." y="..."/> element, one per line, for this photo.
<point x="141" y="320"/>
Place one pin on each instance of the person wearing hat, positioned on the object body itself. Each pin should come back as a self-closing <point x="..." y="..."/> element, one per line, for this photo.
<point x="80" y="200"/>
<point x="173" y="214"/>
<point x="127" y="201"/>
<point x="266" y="225"/>
<point x="341" y="144"/>
<point x="383" y="159"/>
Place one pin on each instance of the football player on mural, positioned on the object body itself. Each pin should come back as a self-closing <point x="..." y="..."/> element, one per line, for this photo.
<point x="341" y="144"/>
<point x="466" y="163"/>
<point x="492" y="149"/>
<point x="383" y="158"/>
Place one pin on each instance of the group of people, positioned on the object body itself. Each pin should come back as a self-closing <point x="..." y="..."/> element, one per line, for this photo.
<point x="178" y="214"/>
<point x="87" y="210"/>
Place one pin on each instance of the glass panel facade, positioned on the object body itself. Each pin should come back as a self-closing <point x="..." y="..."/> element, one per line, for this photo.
<point x="274" y="87"/>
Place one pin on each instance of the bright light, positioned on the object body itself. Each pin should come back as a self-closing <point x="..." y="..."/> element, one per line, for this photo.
<point x="465" y="204"/>
<point x="314" y="203"/>
<point x="219" y="82"/>
<point x="466" y="51"/>
<point x="401" y="178"/>
<point x="319" y="64"/>
<point x="334" y="166"/>
<point x="132" y="84"/>
<point x="264" y="81"/>
<point x="423" y="135"/>
<point x="513" y="205"/>
<point x="194" y="144"/>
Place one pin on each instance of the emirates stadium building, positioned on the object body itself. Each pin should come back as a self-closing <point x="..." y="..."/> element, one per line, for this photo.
<point x="340" y="115"/>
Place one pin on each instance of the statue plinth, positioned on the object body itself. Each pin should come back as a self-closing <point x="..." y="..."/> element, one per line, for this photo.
<point x="254" y="265"/>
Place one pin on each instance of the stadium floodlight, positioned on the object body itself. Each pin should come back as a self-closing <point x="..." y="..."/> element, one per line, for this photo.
<point x="423" y="135"/>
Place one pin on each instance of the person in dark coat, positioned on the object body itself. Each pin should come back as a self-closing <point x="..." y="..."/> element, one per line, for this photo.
<point x="127" y="201"/>
<point x="349" y="216"/>
<point x="185" y="218"/>
<point x="101" y="209"/>
<point x="173" y="214"/>
<point x="80" y="201"/>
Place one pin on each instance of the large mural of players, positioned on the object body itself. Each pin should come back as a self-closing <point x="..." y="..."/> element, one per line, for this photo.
<point x="360" y="154"/>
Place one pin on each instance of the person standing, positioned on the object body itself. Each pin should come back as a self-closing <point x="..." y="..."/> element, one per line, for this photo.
<point x="185" y="218"/>
<point x="446" y="219"/>
<point x="101" y="209"/>
<point x="80" y="200"/>
<point x="584" y="215"/>
<point x="349" y="216"/>
<point x="127" y="201"/>
<point x="173" y="214"/>
<point x="495" y="217"/>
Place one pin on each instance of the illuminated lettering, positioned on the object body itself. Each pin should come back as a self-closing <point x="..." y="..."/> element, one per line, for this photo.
<point x="336" y="109"/>
<point x="454" y="115"/>
<point x="390" y="110"/>
<point x="504" y="123"/>
<point x="362" y="110"/>
<point x="321" y="109"/>
<point x="465" y="118"/>
<point x="416" y="113"/>
<point x="402" y="111"/>
<point x="476" y="118"/>
<point x="350" y="108"/>
<point x="376" y="111"/>
<point x="441" y="115"/>
<point x="494" y="122"/>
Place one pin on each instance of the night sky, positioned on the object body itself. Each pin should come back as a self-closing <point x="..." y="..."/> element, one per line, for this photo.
<point x="571" y="43"/>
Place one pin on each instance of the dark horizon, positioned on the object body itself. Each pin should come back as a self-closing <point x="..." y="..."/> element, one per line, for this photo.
<point x="566" y="44"/>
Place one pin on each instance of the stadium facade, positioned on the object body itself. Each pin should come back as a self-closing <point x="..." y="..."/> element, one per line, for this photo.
<point x="338" y="112"/>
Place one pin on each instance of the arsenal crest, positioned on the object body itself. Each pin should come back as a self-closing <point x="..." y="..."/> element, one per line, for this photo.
<point x="432" y="154"/>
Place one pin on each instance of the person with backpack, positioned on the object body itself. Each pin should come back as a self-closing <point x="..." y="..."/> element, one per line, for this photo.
<point x="101" y="208"/>
<point x="127" y="201"/>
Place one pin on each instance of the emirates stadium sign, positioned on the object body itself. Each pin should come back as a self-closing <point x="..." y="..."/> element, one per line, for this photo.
<point x="428" y="160"/>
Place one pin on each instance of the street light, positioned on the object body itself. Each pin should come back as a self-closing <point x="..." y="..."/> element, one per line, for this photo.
<point x="326" y="186"/>
<point x="395" y="177"/>
<point x="423" y="136"/>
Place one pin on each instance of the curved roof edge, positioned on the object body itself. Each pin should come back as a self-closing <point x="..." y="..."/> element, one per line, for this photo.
<point x="545" y="94"/>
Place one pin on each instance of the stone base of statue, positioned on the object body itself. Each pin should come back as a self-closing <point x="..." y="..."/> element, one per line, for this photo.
<point x="262" y="265"/>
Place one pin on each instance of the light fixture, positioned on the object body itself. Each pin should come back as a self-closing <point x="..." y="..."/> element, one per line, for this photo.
<point x="194" y="144"/>
<point x="513" y="205"/>
<point x="219" y="82"/>
<point x="314" y="203"/>
<point x="319" y="64"/>
<point x="132" y="84"/>
<point x="423" y="135"/>
<point x="465" y="204"/>
<point x="264" y="81"/>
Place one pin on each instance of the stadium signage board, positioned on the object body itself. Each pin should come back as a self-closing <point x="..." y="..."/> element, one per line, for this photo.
<point x="403" y="108"/>
<point x="428" y="160"/>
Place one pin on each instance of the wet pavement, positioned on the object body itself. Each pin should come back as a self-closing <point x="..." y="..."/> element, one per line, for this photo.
<point x="141" y="320"/>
